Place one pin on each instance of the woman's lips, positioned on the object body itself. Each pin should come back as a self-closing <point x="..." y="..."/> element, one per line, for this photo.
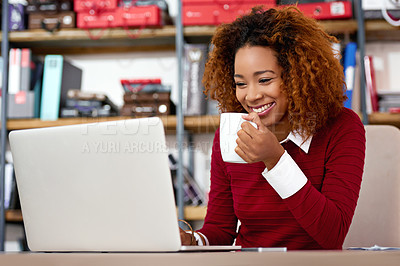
<point x="263" y="109"/>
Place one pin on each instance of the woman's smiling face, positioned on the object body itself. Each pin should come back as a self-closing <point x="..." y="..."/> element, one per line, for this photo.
<point x="258" y="85"/>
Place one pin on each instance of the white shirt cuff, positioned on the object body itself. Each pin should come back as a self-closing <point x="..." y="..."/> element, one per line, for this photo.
<point x="199" y="240"/>
<point x="285" y="177"/>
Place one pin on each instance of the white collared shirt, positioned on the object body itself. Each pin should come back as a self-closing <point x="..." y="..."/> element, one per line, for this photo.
<point x="286" y="177"/>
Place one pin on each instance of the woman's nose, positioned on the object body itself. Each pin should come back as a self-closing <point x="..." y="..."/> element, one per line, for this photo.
<point x="253" y="93"/>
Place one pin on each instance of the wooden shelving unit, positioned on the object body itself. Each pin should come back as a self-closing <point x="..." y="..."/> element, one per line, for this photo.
<point x="14" y="216"/>
<point x="380" y="30"/>
<point x="195" y="124"/>
<point x="116" y="40"/>
<point x="113" y="40"/>
<point x="384" y="119"/>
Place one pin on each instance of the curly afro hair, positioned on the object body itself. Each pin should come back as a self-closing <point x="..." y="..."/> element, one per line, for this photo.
<point x="312" y="75"/>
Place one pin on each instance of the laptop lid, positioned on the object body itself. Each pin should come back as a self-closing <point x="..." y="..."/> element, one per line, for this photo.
<point x="96" y="187"/>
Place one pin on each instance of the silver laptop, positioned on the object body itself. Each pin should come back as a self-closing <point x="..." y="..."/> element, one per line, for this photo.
<point x="97" y="187"/>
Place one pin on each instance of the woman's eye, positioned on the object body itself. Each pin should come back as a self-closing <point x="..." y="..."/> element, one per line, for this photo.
<point x="239" y="84"/>
<point x="264" y="80"/>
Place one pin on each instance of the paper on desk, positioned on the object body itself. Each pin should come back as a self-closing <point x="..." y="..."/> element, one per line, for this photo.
<point x="374" y="248"/>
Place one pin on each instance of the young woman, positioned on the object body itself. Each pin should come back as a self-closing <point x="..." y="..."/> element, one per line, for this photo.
<point x="305" y="160"/>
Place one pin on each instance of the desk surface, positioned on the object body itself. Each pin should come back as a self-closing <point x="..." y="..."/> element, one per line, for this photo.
<point x="298" y="258"/>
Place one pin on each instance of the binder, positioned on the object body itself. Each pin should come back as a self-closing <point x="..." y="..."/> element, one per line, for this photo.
<point x="59" y="76"/>
<point x="1" y="75"/>
<point x="20" y="97"/>
<point x="36" y="85"/>
<point x="25" y="69"/>
<point x="370" y="83"/>
<point x="349" y="65"/>
<point x="20" y="105"/>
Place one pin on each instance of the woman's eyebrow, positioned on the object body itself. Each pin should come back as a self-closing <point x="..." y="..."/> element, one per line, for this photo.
<point x="255" y="73"/>
<point x="263" y="72"/>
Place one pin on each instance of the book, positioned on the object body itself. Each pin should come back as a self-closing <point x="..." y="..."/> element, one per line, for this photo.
<point x="371" y="83"/>
<point x="14" y="71"/>
<point x="193" y="194"/>
<point x="26" y="62"/>
<point x="356" y="94"/>
<point x="59" y="76"/>
<point x="1" y="76"/>
<point x="88" y="104"/>
<point x="36" y="86"/>
<point x="8" y="184"/>
<point x="389" y="101"/>
<point x="349" y="65"/>
<point x="193" y="98"/>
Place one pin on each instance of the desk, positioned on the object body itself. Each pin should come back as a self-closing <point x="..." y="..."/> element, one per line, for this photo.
<point x="292" y="258"/>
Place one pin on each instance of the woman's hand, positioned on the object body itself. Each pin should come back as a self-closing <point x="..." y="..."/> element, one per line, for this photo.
<point x="258" y="144"/>
<point x="187" y="239"/>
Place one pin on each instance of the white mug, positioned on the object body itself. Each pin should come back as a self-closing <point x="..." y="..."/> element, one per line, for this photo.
<point x="230" y="124"/>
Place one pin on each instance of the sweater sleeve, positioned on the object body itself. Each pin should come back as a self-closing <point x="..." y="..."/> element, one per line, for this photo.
<point x="327" y="214"/>
<point x="220" y="222"/>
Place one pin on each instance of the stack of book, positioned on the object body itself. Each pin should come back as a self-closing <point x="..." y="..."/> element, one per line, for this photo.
<point x="389" y="102"/>
<point x="146" y="97"/>
<point x="86" y="104"/>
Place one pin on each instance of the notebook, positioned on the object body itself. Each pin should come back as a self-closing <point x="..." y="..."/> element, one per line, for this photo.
<point x="99" y="187"/>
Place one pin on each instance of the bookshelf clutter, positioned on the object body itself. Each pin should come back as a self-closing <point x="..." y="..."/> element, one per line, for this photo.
<point x="208" y="123"/>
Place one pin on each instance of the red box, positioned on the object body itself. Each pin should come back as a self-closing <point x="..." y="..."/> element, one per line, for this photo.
<point x="327" y="10"/>
<point x="94" y="6"/>
<point x="107" y="19"/>
<point x="140" y="16"/>
<point x="213" y="12"/>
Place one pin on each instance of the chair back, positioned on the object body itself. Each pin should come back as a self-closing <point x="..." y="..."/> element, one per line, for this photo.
<point x="377" y="217"/>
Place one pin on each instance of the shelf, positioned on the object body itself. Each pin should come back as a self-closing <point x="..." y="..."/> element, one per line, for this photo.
<point x="72" y="41"/>
<point x="380" y="30"/>
<point x="78" y="41"/>
<point x="192" y="213"/>
<point x="384" y="119"/>
<point x="13" y="216"/>
<point x="195" y="124"/>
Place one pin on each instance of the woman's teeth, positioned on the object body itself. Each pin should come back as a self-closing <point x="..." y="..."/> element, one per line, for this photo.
<point x="262" y="108"/>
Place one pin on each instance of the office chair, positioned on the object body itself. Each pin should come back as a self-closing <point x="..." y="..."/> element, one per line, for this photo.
<point x="377" y="216"/>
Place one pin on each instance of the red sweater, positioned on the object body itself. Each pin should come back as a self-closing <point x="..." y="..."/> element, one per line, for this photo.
<point x="318" y="216"/>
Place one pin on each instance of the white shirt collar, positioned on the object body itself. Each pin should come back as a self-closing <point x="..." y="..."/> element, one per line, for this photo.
<point x="299" y="141"/>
